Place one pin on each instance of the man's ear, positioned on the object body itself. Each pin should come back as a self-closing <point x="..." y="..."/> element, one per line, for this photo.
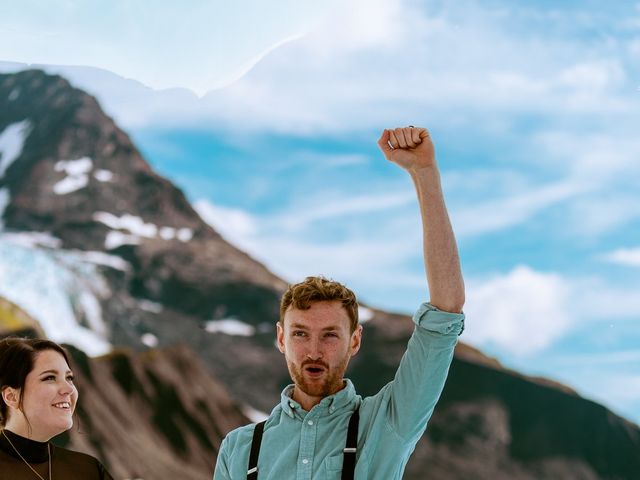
<point x="280" y="337"/>
<point x="11" y="396"/>
<point x="356" y="340"/>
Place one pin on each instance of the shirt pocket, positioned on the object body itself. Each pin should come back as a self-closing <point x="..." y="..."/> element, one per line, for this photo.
<point x="333" y="467"/>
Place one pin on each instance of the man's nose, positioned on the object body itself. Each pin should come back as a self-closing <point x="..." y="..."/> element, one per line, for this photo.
<point x="315" y="350"/>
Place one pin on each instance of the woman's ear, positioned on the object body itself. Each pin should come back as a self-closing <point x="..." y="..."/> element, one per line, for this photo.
<point x="11" y="396"/>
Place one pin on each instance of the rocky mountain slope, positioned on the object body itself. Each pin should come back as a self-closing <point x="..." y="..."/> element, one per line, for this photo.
<point x="67" y="171"/>
<point x="153" y="415"/>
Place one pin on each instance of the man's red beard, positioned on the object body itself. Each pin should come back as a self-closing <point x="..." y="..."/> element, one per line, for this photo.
<point x="328" y="384"/>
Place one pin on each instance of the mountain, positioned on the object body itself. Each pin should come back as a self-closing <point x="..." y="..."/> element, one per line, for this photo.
<point x="78" y="197"/>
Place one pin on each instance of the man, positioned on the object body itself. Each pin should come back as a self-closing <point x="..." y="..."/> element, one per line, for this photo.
<point x="322" y="429"/>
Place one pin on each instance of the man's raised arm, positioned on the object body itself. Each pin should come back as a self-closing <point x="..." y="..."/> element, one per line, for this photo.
<point x="412" y="149"/>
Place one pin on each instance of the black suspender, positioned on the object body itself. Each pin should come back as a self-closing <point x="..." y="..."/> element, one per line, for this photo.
<point x="252" y="473"/>
<point x="350" y="449"/>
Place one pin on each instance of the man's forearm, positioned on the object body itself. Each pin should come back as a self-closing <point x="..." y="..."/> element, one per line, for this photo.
<point x="412" y="149"/>
<point x="441" y="259"/>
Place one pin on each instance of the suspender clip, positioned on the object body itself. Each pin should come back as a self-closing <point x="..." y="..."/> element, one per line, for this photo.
<point x="350" y="450"/>
<point x="253" y="470"/>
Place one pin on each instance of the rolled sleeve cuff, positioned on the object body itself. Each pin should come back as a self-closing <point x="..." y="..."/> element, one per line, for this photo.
<point x="435" y="320"/>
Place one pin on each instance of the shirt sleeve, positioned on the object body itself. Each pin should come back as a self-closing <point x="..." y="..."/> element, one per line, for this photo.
<point x="423" y="371"/>
<point x="222" y="470"/>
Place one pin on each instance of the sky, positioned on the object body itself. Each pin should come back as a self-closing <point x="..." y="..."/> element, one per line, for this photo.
<point x="268" y="118"/>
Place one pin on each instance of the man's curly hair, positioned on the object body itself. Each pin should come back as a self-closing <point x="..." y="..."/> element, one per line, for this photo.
<point x="319" y="289"/>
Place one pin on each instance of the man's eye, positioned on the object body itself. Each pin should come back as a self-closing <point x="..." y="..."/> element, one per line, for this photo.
<point x="298" y="333"/>
<point x="332" y="334"/>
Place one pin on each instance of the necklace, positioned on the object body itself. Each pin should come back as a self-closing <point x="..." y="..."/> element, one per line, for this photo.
<point x="27" y="463"/>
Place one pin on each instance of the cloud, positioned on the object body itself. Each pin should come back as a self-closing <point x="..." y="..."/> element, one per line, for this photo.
<point x="619" y="391"/>
<point x="524" y="311"/>
<point x="314" y="210"/>
<point x="521" y="312"/>
<point x="627" y="357"/>
<point x="167" y="46"/>
<point x="622" y="388"/>
<point x="434" y="60"/>
<point x="603" y="162"/>
<point x="359" y="65"/>
<point x="597" y="299"/>
<point x="365" y="257"/>
<point x="624" y="256"/>
<point x="599" y="156"/>
<point x="500" y="213"/>
<point x="235" y="225"/>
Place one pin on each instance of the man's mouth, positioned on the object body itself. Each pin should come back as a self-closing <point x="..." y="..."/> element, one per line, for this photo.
<point x="62" y="405"/>
<point x="314" y="370"/>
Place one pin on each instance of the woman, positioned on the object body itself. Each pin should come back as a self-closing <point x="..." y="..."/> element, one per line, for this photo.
<point x="38" y="401"/>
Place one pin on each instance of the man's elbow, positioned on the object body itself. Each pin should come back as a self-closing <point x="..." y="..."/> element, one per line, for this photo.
<point x="451" y="304"/>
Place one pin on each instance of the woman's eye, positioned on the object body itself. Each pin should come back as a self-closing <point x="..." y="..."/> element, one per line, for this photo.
<point x="70" y="378"/>
<point x="49" y="377"/>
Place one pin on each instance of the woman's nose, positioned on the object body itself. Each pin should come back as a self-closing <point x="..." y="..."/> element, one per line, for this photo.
<point x="66" y="387"/>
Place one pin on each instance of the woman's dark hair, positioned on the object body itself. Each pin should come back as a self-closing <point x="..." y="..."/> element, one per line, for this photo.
<point x="17" y="357"/>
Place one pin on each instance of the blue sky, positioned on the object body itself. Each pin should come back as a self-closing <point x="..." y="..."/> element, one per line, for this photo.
<point x="534" y="111"/>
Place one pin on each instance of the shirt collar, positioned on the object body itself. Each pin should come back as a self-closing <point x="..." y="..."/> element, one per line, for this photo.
<point x="331" y="403"/>
<point x="32" y="451"/>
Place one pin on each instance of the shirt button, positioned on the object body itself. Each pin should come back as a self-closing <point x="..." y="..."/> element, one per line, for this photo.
<point x="305" y="461"/>
<point x="310" y="422"/>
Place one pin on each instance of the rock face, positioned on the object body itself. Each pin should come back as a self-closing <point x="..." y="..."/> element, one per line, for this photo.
<point x="67" y="170"/>
<point x="156" y="414"/>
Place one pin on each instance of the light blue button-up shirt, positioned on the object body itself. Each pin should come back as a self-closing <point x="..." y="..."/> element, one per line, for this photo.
<point x="302" y="445"/>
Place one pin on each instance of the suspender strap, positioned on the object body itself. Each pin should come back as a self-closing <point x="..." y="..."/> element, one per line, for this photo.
<point x="252" y="473"/>
<point x="349" y="462"/>
<point x="351" y="447"/>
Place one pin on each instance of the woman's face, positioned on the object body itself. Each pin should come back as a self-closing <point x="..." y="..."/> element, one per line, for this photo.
<point x="48" y="397"/>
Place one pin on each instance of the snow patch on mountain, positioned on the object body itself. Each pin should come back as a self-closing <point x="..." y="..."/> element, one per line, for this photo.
<point x="14" y="94"/>
<point x="133" y="224"/>
<point x="182" y="234"/>
<point x="167" y="233"/>
<point x="103" y="259"/>
<point x="149" y="306"/>
<point x="254" y="415"/>
<point x="230" y="326"/>
<point x="185" y="234"/>
<point x="31" y="239"/>
<point x="5" y="198"/>
<point x="364" y="314"/>
<point x="59" y="290"/>
<point x="116" y="239"/>
<point x="77" y="175"/>
<point x="149" y="339"/>
<point x="81" y="166"/>
<point x="12" y="140"/>
<point x="137" y="228"/>
<point x="103" y="175"/>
